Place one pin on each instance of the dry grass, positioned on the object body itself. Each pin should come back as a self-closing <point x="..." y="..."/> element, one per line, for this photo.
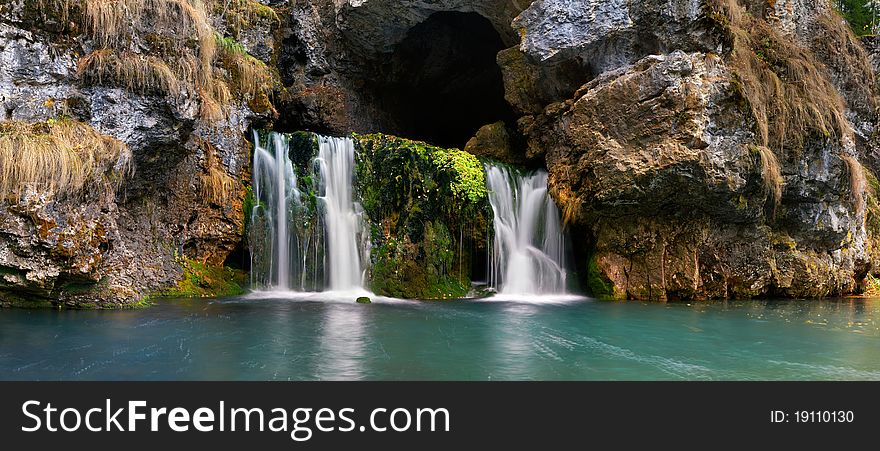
<point x="786" y="88"/>
<point x="858" y="184"/>
<point x="179" y="65"/>
<point x="846" y="57"/>
<point x="216" y="185"/>
<point x="771" y="174"/>
<point x="250" y="75"/>
<point x="112" y="21"/>
<point x="138" y="73"/>
<point x="57" y="158"/>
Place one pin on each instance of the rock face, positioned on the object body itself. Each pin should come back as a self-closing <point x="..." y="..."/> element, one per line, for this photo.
<point x="493" y="141"/>
<point x="698" y="148"/>
<point x="676" y="166"/>
<point x="115" y="247"/>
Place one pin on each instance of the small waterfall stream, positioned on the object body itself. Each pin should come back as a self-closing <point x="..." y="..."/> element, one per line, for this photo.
<point x="343" y="216"/>
<point x="275" y="192"/>
<point x="306" y="229"/>
<point x="529" y="248"/>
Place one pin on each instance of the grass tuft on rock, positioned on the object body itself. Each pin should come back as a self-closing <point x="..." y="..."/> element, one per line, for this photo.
<point x="58" y="158"/>
<point x="785" y="87"/>
<point x="858" y="184"/>
<point x="215" y="184"/>
<point x="143" y="74"/>
<point x="185" y="55"/>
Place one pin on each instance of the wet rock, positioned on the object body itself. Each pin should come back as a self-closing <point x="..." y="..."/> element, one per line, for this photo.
<point x="493" y="141"/>
<point x="428" y="211"/>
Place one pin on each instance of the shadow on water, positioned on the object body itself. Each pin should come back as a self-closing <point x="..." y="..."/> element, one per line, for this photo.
<point x="265" y="338"/>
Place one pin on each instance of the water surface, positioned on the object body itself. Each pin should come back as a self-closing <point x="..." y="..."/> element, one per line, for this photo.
<point x="282" y="338"/>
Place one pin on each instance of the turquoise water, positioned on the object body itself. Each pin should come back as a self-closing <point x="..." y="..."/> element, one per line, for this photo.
<point x="286" y="339"/>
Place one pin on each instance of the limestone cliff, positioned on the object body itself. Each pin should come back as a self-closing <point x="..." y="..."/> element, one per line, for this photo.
<point x="727" y="164"/>
<point x="698" y="148"/>
<point x="130" y="71"/>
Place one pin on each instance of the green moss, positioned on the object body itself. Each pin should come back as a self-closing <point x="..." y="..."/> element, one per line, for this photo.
<point x="429" y="210"/>
<point x="303" y="149"/>
<point x="30" y="302"/>
<point x="424" y="270"/>
<point x="201" y="280"/>
<point x="600" y="286"/>
<point x="396" y="272"/>
<point x="395" y="172"/>
<point x="229" y="45"/>
<point x="246" y="14"/>
<point x="262" y="11"/>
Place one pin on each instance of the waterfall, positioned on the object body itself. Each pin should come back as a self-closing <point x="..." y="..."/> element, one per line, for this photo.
<point x="275" y="193"/>
<point x="343" y="216"/>
<point x="529" y="246"/>
<point x="306" y="231"/>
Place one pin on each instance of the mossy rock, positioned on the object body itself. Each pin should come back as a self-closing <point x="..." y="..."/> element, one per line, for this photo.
<point x="363" y="300"/>
<point x="303" y="148"/>
<point x="599" y="284"/>
<point x="429" y="210"/>
<point x="204" y="281"/>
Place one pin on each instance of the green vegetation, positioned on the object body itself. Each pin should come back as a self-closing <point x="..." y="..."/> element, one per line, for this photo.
<point x="303" y="149"/>
<point x="862" y="15"/>
<point x="429" y="211"/>
<point x="424" y="270"/>
<point x="599" y="285"/>
<point x="247" y="207"/>
<point x="244" y="14"/>
<point x="201" y="280"/>
<point x="250" y="78"/>
<point x="414" y="170"/>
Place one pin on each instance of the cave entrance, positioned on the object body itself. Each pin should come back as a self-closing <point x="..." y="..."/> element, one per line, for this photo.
<point x="442" y="82"/>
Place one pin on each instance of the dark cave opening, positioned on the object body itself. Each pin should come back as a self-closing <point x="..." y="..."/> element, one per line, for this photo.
<point x="442" y="82"/>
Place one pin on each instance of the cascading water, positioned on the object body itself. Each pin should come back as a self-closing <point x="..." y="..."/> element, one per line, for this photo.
<point x="343" y="216"/>
<point x="275" y="193"/>
<point x="529" y="249"/>
<point x="306" y="230"/>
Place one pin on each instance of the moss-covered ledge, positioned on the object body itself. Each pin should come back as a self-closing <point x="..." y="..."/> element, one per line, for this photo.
<point x="200" y="280"/>
<point x="429" y="213"/>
